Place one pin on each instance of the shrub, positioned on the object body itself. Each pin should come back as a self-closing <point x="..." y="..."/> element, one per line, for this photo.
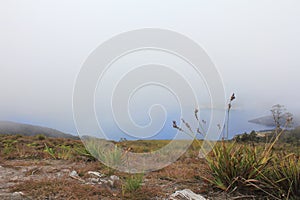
<point x="40" y="137"/>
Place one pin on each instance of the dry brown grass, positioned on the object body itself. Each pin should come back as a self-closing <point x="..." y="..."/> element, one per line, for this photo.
<point x="61" y="189"/>
<point x="186" y="172"/>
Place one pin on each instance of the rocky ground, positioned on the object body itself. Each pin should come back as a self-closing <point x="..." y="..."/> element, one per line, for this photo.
<point x="17" y="172"/>
<point x="59" y="179"/>
<point x="48" y="168"/>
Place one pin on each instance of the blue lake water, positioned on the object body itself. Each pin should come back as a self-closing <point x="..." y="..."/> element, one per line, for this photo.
<point x="238" y="124"/>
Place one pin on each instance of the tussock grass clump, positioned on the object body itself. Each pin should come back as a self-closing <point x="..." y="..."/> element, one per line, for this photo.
<point x="133" y="183"/>
<point x="258" y="169"/>
<point x="235" y="166"/>
<point x="251" y="169"/>
<point x="105" y="151"/>
<point x="284" y="175"/>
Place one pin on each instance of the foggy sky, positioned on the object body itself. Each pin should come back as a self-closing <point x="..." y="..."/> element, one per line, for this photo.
<point x="254" y="44"/>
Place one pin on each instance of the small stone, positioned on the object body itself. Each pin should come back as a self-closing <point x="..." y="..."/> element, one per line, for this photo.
<point x="186" y="194"/>
<point x="103" y="181"/>
<point x="114" y="178"/>
<point x="98" y="174"/>
<point x="18" y="194"/>
<point x="94" y="180"/>
<point x="73" y="173"/>
<point x="58" y="174"/>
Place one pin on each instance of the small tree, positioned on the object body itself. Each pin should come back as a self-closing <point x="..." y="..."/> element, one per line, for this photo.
<point x="281" y="117"/>
<point x="278" y="114"/>
<point x="253" y="136"/>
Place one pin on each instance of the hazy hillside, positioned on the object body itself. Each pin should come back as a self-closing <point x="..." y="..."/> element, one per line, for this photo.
<point x="12" y="128"/>
<point x="269" y="121"/>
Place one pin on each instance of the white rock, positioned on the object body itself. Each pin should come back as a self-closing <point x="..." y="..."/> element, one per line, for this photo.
<point x="186" y="194"/>
<point x="98" y="174"/>
<point x="114" y="178"/>
<point x="73" y="173"/>
<point x="95" y="180"/>
<point x="18" y="194"/>
<point x="103" y="181"/>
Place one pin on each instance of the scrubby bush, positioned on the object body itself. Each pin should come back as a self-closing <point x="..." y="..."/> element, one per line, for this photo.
<point x="40" y="137"/>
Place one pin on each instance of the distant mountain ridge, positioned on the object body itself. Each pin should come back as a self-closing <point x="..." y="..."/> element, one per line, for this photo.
<point x="269" y="121"/>
<point x="13" y="128"/>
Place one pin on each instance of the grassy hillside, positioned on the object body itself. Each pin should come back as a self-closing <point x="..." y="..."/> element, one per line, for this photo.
<point x="12" y="128"/>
